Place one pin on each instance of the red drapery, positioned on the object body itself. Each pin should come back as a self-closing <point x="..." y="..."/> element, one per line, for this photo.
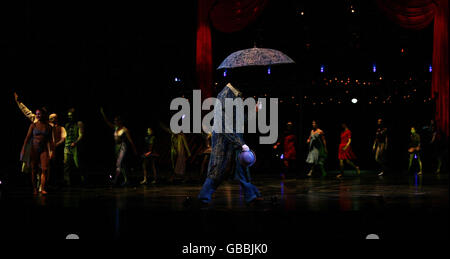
<point x="418" y="14"/>
<point x="204" y="64"/>
<point x="226" y="16"/>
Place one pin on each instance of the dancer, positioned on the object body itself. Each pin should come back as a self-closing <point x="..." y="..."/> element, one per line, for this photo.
<point x="317" y="150"/>
<point x="380" y="146"/>
<point x="122" y="138"/>
<point x="149" y="156"/>
<point x="414" y="150"/>
<point x="178" y="150"/>
<point x="74" y="135"/>
<point x="225" y="152"/>
<point x="289" y="154"/>
<point x="181" y="150"/>
<point x="26" y="159"/>
<point x="42" y="147"/>
<point x="345" y="151"/>
<point x="55" y="174"/>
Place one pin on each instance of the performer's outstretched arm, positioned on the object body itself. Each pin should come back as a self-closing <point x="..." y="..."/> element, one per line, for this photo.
<point x="29" y="114"/>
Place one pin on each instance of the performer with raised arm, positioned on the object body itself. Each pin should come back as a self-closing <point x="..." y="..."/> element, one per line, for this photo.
<point x="122" y="139"/>
<point x="60" y="136"/>
<point x="74" y="134"/>
<point x="380" y="146"/>
<point x="317" y="150"/>
<point x="345" y="151"/>
<point x="226" y="146"/>
<point x="42" y="148"/>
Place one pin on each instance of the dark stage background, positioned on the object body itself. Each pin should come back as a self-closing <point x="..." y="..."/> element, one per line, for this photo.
<point x="125" y="56"/>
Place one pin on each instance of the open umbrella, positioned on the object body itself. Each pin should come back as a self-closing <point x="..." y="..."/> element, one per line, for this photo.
<point x="255" y="57"/>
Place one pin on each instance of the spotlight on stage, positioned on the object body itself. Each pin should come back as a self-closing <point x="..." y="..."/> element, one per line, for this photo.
<point x="354" y="101"/>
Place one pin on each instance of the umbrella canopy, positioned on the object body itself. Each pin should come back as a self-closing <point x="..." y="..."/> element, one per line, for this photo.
<point x="255" y="57"/>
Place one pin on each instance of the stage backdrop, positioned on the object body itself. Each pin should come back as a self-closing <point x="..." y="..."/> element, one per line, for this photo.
<point x="418" y="14"/>
<point x="227" y="16"/>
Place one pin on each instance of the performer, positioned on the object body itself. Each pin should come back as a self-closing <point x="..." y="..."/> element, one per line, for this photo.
<point x="149" y="156"/>
<point x="74" y="134"/>
<point x="178" y="150"/>
<point x="289" y="154"/>
<point x="26" y="159"/>
<point x="345" y="151"/>
<point x="414" y="149"/>
<point x="122" y="138"/>
<point x="56" y="174"/>
<point x="225" y="151"/>
<point x="318" y="151"/>
<point x="42" y="147"/>
<point x="380" y="146"/>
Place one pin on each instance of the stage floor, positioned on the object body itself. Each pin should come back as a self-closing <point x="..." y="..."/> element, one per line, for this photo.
<point x="404" y="207"/>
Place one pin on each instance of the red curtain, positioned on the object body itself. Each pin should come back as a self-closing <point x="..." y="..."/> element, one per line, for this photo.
<point x="234" y="15"/>
<point x="418" y="14"/>
<point x="204" y="64"/>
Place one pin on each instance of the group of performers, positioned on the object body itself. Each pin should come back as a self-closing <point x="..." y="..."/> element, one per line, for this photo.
<point x="50" y="147"/>
<point x="318" y="151"/>
<point x="47" y="143"/>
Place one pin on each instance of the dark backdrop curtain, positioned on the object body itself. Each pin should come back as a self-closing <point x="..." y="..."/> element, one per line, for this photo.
<point x="418" y="14"/>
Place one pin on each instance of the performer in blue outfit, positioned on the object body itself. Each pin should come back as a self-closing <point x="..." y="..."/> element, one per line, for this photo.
<point x="224" y="154"/>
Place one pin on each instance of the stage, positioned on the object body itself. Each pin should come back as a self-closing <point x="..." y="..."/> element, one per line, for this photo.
<point x="392" y="207"/>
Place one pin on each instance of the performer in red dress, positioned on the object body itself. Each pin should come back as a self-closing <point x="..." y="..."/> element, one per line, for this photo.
<point x="290" y="153"/>
<point x="345" y="151"/>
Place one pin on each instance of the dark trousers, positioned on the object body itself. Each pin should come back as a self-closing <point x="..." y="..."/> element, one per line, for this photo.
<point x="241" y="174"/>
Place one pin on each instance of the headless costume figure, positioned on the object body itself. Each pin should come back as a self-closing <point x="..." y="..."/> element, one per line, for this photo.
<point x="225" y="148"/>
